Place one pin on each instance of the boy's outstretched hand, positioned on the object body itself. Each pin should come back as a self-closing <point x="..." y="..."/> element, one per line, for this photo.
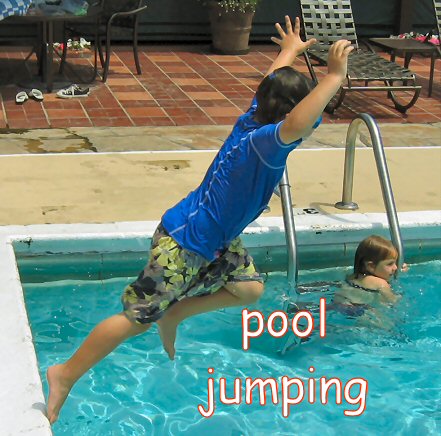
<point x="291" y="38"/>
<point x="290" y="43"/>
<point x="338" y="58"/>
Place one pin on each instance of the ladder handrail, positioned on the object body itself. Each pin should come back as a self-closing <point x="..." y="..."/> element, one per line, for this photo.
<point x="290" y="231"/>
<point x="292" y="267"/>
<point x="383" y="174"/>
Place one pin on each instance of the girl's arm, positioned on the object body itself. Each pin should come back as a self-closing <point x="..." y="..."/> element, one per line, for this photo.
<point x="298" y="123"/>
<point x="290" y="44"/>
<point x="388" y="294"/>
<point x="382" y="286"/>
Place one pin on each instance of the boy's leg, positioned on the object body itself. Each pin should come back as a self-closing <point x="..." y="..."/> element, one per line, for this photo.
<point x="103" y="339"/>
<point x="232" y="294"/>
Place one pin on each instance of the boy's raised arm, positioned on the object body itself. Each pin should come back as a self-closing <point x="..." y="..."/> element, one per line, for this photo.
<point x="291" y="45"/>
<point x="299" y="122"/>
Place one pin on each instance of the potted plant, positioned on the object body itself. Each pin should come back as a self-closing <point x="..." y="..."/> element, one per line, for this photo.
<point x="230" y="22"/>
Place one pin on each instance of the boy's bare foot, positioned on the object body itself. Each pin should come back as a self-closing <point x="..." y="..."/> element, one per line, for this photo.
<point x="167" y="333"/>
<point x="59" y="389"/>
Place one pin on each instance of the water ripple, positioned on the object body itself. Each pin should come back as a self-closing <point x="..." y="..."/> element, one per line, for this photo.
<point x="138" y="391"/>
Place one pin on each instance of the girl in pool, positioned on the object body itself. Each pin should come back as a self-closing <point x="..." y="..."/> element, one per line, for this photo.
<point x="368" y="286"/>
<point x="197" y="262"/>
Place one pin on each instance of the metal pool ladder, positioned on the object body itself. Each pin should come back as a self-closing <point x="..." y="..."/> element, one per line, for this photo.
<point x="383" y="174"/>
<point x="346" y="203"/>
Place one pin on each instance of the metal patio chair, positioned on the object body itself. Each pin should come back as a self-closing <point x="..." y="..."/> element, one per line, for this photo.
<point x="331" y="20"/>
<point x="113" y="22"/>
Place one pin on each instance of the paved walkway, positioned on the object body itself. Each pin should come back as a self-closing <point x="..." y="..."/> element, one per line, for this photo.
<point x="93" y="175"/>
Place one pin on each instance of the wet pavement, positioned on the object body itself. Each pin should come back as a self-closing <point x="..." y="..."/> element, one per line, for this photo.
<point x="124" y="139"/>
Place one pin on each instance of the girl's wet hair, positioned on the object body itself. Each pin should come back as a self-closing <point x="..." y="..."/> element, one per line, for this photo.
<point x="279" y="92"/>
<point x="373" y="249"/>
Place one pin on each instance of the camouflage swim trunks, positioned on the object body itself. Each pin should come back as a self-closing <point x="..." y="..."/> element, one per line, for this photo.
<point x="174" y="273"/>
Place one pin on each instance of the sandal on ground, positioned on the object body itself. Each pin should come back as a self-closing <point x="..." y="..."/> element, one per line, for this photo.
<point x="73" y="91"/>
<point x="21" y="97"/>
<point x="36" y="94"/>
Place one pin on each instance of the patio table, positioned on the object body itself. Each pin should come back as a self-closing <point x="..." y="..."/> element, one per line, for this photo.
<point x="409" y="47"/>
<point x="45" y="38"/>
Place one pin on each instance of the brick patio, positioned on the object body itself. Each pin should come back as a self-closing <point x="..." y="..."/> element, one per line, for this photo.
<point x="181" y="86"/>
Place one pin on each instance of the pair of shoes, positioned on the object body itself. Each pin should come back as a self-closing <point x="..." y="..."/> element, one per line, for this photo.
<point x="22" y="96"/>
<point x="73" y="91"/>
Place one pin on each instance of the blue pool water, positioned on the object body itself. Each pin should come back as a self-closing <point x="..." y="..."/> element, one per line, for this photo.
<point x="138" y="391"/>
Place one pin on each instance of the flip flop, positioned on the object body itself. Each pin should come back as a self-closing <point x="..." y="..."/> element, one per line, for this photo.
<point x="21" y="97"/>
<point x="36" y="94"/>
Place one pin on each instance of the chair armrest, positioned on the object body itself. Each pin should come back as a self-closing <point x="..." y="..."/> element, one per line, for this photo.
<point x="126" y="14"/>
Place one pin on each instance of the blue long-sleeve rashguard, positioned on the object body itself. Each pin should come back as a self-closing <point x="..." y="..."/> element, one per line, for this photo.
<point x="235" y="190"/>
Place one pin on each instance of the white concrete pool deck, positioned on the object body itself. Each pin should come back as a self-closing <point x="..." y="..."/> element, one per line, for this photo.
<point x="65" y="183"/>
<point x="134" y="174"/>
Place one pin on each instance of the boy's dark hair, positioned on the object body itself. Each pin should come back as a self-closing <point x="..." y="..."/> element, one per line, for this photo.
<point x="373" y="249"/>
<point x="279" y="92"/>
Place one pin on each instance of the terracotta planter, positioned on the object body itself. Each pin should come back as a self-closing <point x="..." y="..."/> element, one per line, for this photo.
<point x="230" y="30"/>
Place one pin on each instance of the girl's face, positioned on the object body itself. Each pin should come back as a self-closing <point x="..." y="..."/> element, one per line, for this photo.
<point x="385" y="269"/>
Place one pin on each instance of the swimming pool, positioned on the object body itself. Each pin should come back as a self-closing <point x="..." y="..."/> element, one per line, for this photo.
<point x="108" y="251"/>
<point x="137" y="390"/>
